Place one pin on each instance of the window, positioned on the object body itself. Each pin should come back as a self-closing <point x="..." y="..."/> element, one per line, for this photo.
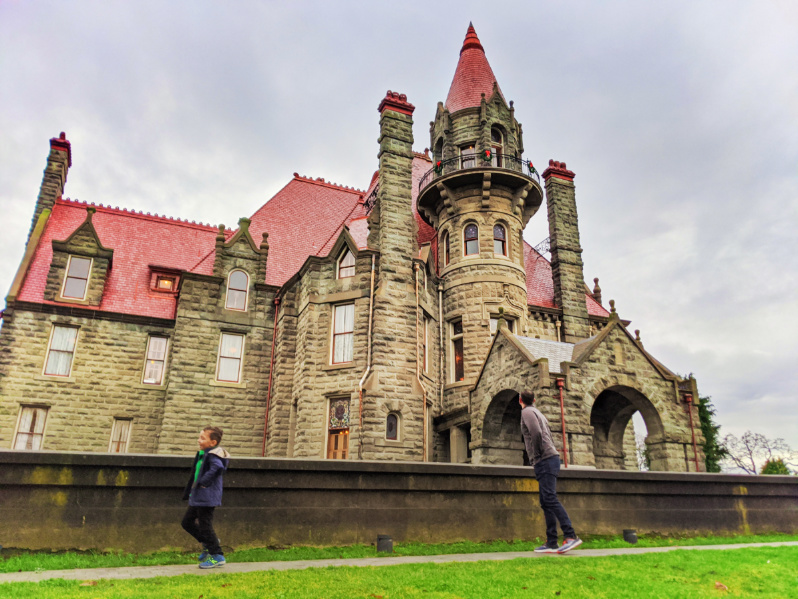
<point x="499" y="240"/>
<point x="237" y="287"/>
<point x="231" y="349"/>
<point x="471" y="240"/>
<point x="425" y="342"/>
<point x="62" y="348"/>
<point x="155" y="362"/>
<point x="497" y="145"/>
<point x="31" y="428"/>
<point x="343" y="333"/>
<point x="77" y="278"/>
<point x="338" y="430"/>
<point x="446" y="248"/>
<point x="346" y="265"/>
<point x="120" y="435"/>
<point x="165" y="283"/>
<point x="456" y="336"/>
<point x="392" y="427"/>
<point x="468" y="156"/>
<point x="494" y="323"/>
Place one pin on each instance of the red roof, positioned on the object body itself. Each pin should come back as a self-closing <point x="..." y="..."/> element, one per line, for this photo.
<point x="473" y="76"/>
<point x="138" y="240"/>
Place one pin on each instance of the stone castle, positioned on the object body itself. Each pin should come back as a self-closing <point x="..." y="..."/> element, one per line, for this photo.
<point x="395" y="323"/>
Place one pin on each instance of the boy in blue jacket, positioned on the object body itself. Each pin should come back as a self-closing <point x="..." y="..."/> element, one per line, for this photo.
<point x="204" y="493"/>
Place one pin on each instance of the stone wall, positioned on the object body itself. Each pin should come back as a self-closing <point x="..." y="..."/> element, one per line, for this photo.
<point x="132" y="503"/>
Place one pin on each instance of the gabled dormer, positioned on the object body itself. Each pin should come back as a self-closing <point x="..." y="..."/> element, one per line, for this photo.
<point x="79" y="267"/>
<point x="242" y="263"/>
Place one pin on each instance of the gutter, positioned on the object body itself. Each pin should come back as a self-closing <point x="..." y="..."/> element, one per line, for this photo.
<point x="368" y="363"/>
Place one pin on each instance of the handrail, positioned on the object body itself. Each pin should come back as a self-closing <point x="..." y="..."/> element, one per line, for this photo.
<point x="475" y="161"/>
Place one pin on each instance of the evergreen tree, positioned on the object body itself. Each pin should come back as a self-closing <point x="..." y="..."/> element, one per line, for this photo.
<point x="776" y="466"/>
<point x="714" y="450"/>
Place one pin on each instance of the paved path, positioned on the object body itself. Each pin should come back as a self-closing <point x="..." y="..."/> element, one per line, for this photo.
<point x="236" y="567"/>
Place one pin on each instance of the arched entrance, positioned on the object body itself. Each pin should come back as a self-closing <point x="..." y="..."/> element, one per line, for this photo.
<point x="501" y="430"/>
<point x="611" y="415"/>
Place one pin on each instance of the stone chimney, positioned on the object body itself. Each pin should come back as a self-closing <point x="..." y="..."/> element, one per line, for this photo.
<point x="55" y="176"/>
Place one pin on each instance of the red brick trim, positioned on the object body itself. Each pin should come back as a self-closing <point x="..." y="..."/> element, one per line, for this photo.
<point x="558" y="170"/>
<point x="61" y="143"/>
<point x="396" y="102"/>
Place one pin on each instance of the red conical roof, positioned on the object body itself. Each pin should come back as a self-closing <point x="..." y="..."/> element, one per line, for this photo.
<point x="473" y="76"/>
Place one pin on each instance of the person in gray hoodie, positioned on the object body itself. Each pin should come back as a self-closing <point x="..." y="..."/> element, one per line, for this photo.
<point x="204" y="493"/>
<point x="544" y="458"/>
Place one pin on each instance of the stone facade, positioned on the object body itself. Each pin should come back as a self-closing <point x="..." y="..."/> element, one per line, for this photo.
<point x="438" y="331"/>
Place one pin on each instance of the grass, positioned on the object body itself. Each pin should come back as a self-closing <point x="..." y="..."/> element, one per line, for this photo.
<point x="29" y="561"/>
<point x="749" y="572"/>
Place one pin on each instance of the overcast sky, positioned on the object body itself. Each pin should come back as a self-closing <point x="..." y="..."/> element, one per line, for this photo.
<point x="680" y="120"/>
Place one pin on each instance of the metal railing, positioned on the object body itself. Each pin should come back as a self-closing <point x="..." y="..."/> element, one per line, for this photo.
<point x="472" y="161"/>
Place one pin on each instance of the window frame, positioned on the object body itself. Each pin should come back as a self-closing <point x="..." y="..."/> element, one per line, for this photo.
<point x="343" y="433"/>
<point x="398" y="418"/>
<point x="454" y="338"/>
<point x="334" y="336"/>
<point x="339" y="267"/>
<point x="446" y="249"/>
<point x="497" y="146"/>
<point x="468" y="159"/>
<point x="67" y="277"/>
<point x="18" y="432"/>
<point x="504" y="253"/>
<point x="219" y="356"/>
<point x="466" y="254"/>
<point x="425" y="342"/>
<point x="50" y="349"/>
<point x="147" y="359"/>
<point x="111" y="441"/>
<point x="244" y="291"/>
<point x="493" y="325"/>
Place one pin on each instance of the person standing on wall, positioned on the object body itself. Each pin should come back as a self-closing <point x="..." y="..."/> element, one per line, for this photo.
<point x="544" y="458"/>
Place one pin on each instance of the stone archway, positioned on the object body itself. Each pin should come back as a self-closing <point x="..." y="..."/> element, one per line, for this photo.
<point x="501" y="431"/>
<point x="610" y="416"/>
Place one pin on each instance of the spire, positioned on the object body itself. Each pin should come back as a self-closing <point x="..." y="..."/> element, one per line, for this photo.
<point x="473" y="76"/>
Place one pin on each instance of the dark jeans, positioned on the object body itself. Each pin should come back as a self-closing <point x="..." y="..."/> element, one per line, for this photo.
<point x="198" y="522"/>
<point x="546" y="472"/>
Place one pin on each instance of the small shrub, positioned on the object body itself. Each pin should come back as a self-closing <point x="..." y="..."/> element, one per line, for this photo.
<point x="776" y="466"/>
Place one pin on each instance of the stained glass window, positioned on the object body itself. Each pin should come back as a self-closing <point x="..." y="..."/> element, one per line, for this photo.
<point x="471" y="240"/>
<point x="499" y="240"/>
<point x="339" y="413"/>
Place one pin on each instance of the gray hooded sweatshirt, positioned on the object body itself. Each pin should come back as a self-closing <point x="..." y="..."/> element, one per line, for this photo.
<point x="537" y="435"/>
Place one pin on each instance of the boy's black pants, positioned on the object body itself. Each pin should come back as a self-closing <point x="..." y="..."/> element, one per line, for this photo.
<point x="198" y="522"/>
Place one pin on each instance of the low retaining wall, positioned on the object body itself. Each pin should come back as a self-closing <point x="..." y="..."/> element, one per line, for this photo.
<point x="58" y="500"/>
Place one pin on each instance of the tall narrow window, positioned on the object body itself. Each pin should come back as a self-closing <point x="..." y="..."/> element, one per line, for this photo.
<point x="497" y="145"/>
<point x="338" y="431"/>
<point x="237" y="288"/>
<point x="425" y="341"/>
<point x="120" y="435"/>
<point x="499" y="240"/>
<point x="468" y="156"/>
<point x="156" y="360"/>
<point x="458" y="367"/>
<point x="392" y="427"/>
<point x="31" y="428"/>
<point x="77" y="278"/>
<point x="343" y="333"/>
<point x="231" y="349"/>
<point x="62" y="348"/>
<point x="446" y="248"/>
<point x="346" y="265"/>
<point x="471" y="240"/>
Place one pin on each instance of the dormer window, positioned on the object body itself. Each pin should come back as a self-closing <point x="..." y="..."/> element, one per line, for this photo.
<point x="164" y="283"/>
<point x="77" y="278"/>
<point x="346" y="265"/>
<point x="471" y="240"/>
<point x="237" y="290"/>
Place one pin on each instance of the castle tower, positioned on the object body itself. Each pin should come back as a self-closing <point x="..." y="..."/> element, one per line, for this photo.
<point x="479" y="195"/>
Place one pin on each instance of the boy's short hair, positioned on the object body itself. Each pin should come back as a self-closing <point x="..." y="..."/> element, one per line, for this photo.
<point x="527" y="398"/>
<point x="215" y="433"/>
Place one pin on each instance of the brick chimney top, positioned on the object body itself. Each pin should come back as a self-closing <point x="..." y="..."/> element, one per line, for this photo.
<point x="396" y="102"/>
<point x="558" y="170"/>
<point x="61" y="143"/>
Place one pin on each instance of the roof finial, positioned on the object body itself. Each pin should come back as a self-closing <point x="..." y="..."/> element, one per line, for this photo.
<point x="471" y="40"/>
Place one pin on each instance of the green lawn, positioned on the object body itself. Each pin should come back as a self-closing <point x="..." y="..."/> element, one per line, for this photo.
<point x="27" y="561"/>
<point x="750" y="572"/>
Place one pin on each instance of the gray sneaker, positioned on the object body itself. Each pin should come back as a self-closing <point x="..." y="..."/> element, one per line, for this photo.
<point x="545" y="549"/>
<point x="569" y="544"/>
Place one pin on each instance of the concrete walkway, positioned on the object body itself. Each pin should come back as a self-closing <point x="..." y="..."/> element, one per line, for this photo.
<point x="237" y="567"/>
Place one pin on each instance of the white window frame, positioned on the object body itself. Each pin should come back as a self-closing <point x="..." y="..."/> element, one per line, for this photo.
<point x="471" y="160"/>
<point x="147" y="360"/>
<point x="452" y="352"/>
<point x="334" y="335"/>
<point x="219" y="357"/>
<point x="41" y="435"/>
<point x="338" y="275"/>
<point x="116" y="426"/>
<point x="67" y="277"/>
<point x="398" y="426"/>
<point x="245" y="291"/>
<point x="465" y="241"/>
<point x="49" y="349"/>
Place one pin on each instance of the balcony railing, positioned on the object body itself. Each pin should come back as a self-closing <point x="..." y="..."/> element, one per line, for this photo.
<point x="472" y="161"/>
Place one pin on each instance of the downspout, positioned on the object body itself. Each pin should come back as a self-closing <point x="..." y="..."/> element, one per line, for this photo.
<point x="368" y="364"/>
<point x="688" y="399"/>
<point x="441" y="347"/>
<point x="271" y="375"/>
<point x="560" y="385"/>
<point x="418" y="372"/>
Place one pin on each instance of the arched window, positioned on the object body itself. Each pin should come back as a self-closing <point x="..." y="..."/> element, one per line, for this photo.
<point x="346" y="265"/>
<point x="471" y="240"/>
<point x="237" y="289"/>
<point x="497" y="145"/>
<point x="446" y="248"/>
<point x="499" y="240"/>
<point x="392" y="427"/>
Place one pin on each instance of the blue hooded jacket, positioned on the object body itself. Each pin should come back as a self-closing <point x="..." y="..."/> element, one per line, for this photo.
<point x="205" y="490"/>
